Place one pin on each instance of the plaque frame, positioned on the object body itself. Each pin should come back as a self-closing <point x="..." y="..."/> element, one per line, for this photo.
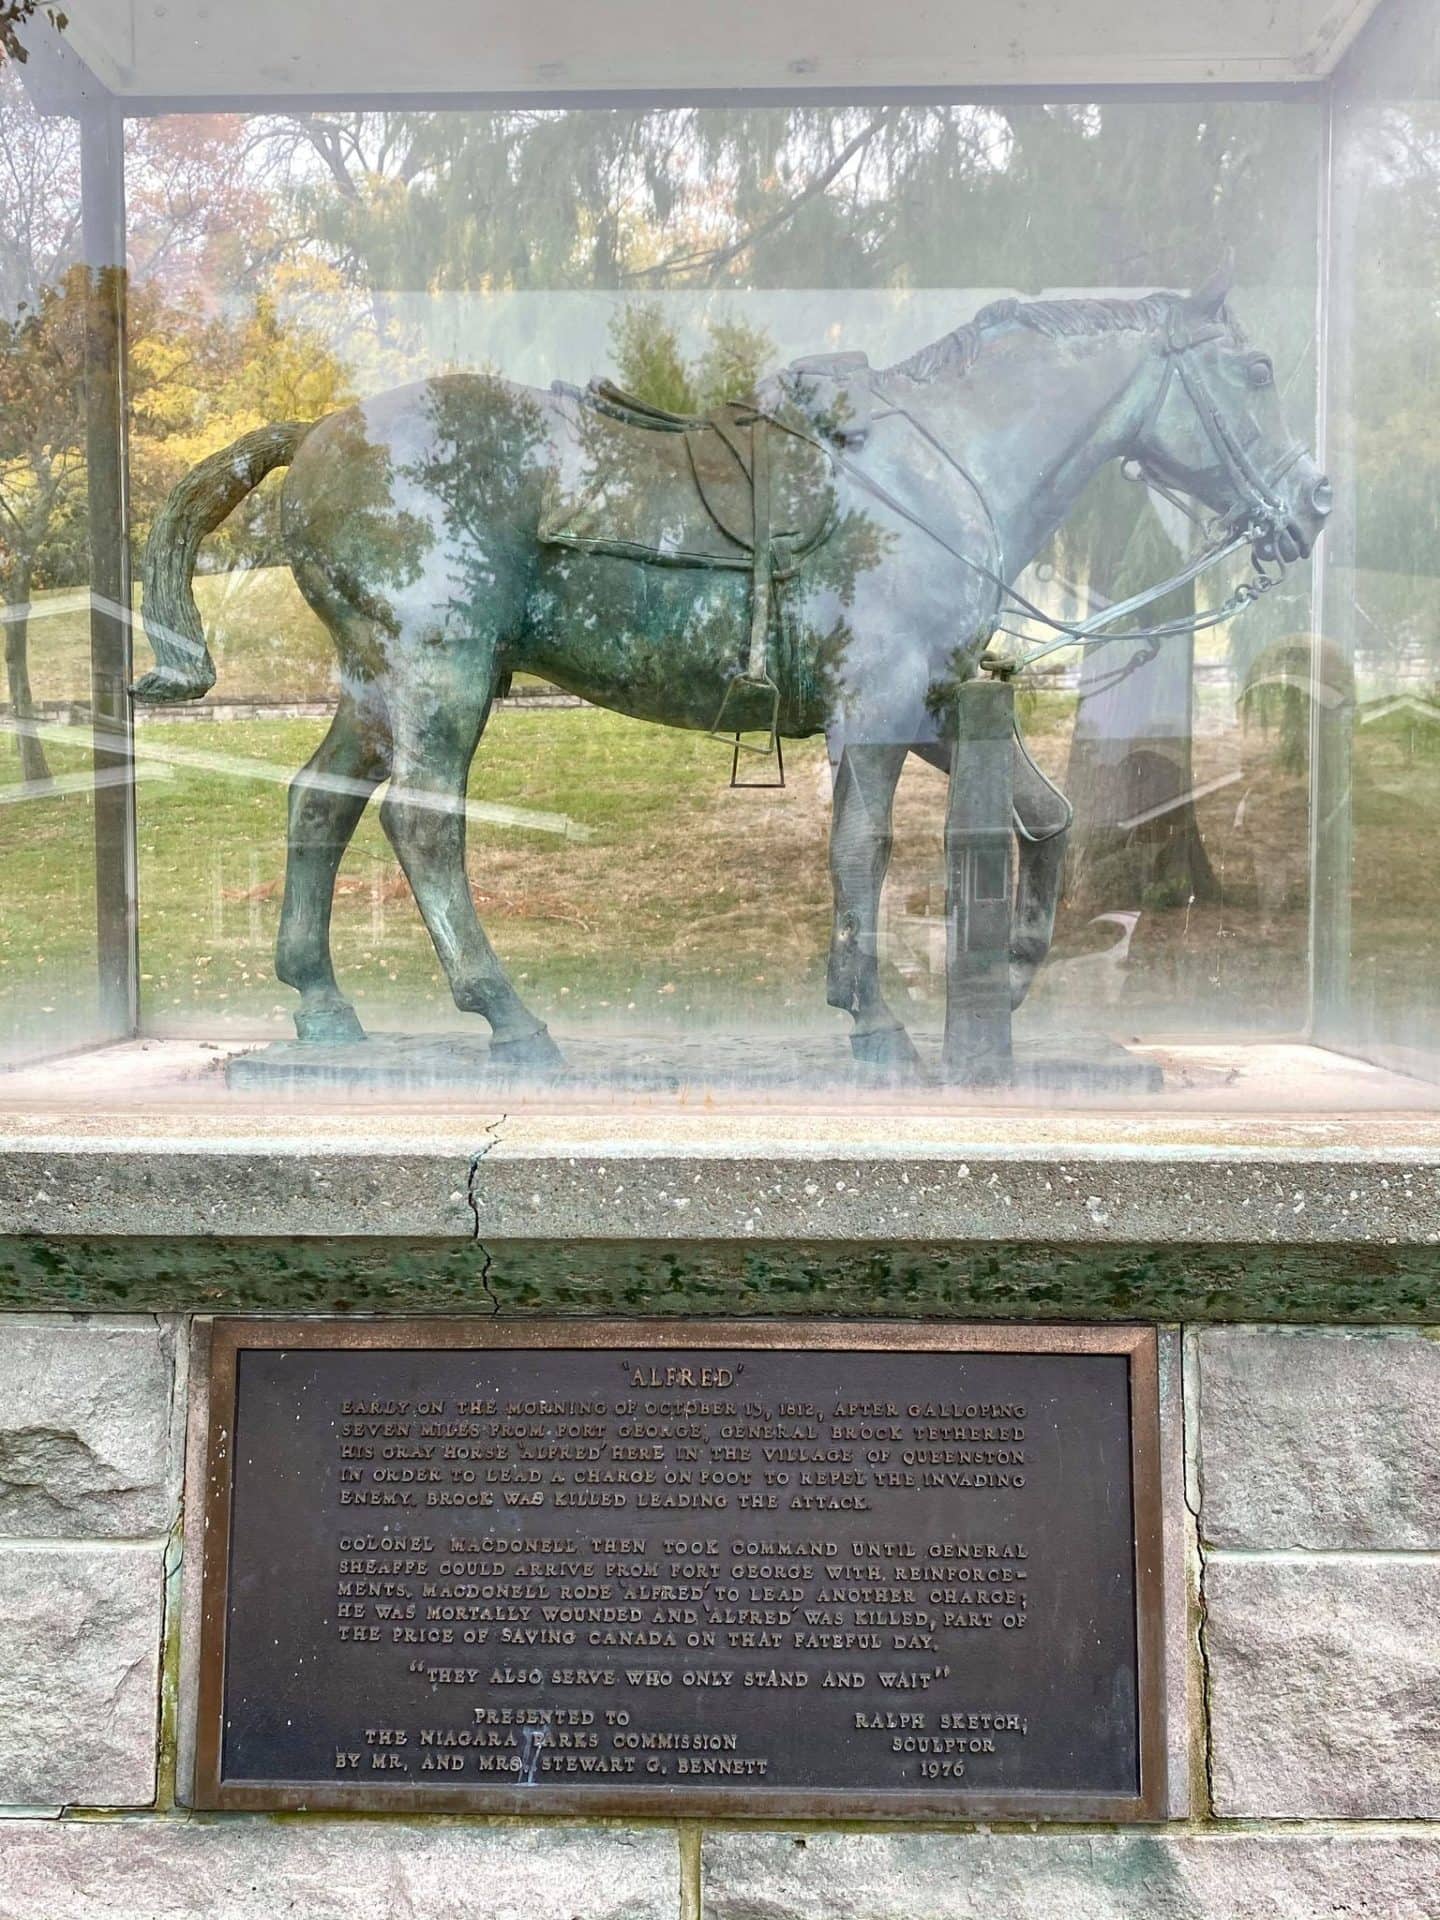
<point x="1138" y="1344"/>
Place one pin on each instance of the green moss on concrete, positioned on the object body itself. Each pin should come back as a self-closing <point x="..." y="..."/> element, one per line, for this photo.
<point x="1347" y="1285"/>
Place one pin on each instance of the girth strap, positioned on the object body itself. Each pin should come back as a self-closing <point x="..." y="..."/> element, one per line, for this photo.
<point x="751" y="447"/>
<point x="763" y="552"/>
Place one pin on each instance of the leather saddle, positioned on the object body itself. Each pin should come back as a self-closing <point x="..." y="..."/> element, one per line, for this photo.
<point x="745" y="487"/>
<point x="724" y="489"/>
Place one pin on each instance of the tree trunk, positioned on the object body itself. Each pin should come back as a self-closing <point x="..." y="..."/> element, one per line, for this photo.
<point x="34" y="768"/>
<point x="1136" y="841"/>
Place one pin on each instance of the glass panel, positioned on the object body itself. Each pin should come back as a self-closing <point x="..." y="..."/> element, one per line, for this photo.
<point x="664" y="683"/>
<point x="1380" y="985"/>
<point x="49" y="976"/>
<point x="661" y="921"/>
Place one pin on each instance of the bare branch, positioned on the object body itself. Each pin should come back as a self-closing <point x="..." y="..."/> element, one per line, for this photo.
<point x="716" y="257"/>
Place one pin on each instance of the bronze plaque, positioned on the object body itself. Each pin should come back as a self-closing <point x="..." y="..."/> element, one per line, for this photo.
<point x="777" y="1570"/>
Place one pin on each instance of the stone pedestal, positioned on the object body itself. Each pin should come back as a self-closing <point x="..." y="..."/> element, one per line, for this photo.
<point x="1300" y="1486"/>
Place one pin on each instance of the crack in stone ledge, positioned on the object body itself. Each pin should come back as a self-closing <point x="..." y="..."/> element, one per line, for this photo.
<point x="1193" y="1487"/>
<point x="472" y="1196"/>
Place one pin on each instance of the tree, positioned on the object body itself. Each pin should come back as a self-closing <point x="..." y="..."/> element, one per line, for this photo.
<point x="42" y="447"/>
<point x="14" y="14"/>
<point x="1136" y="840"/>
<point x="652" y="365"/>
<point x="1383" y="423"/>
<point x="39" y="197"/>
<point x="42" y="361"/>
<point x="199" y="373"/>
<point x="625" y="197"/>
<point x="199" y="212"/>
<point x="197" y="383"/>
<point x="42" y="407"/>
<point x="731" y="365"/>
<point x="648" y="357"/>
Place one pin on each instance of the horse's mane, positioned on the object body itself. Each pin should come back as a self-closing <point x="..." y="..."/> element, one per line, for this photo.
<point x="957" y="352"/>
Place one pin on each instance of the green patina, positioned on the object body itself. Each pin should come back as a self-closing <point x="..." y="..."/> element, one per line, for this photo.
<point x="1350" y="1284"/>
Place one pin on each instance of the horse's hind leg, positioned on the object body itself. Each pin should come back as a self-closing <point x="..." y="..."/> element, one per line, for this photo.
<point x="860" y="845"/>
<point x="437" y="728"/>
<point x="327" y="798"/>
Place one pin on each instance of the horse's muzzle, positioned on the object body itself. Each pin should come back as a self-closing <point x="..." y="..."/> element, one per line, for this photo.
<point x="1310" y="502"/>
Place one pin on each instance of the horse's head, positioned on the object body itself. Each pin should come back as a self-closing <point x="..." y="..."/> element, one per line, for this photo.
<point x="1215" y="431"/>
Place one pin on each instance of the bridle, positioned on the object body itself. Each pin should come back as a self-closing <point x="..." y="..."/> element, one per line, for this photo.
<point x="1259" y="513"/>
<point x="1257" y="499"/>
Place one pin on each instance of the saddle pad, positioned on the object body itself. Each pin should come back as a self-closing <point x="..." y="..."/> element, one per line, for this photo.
<point x="680" y="499"/>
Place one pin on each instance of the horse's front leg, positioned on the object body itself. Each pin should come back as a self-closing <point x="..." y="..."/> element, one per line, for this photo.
<point x="1042" y="819"/>
<point x="860" y="844"/>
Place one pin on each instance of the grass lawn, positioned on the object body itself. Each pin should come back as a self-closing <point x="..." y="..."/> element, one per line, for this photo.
<point x="669" y="897"/>
<point x="668" y="902"/>
<point x="680" y="898"/>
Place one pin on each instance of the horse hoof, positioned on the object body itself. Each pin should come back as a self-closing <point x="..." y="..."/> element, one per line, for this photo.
<point x="332" y="1025"/>
<point x="530" y="1056"/>
<point x="888" y="1051"/>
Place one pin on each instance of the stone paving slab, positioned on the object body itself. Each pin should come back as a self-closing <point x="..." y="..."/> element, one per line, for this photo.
<point x="256" y="1869"/>
<point x="79" y="1675"/>
<point x="1324" y="1687"/>
<point x="1140" y="1875"/>
<point x="85" y="1426"/>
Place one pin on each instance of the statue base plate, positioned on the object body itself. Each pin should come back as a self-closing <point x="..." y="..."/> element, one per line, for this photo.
<point x="415" y="1062"/>
<point x="1089" y="1065"/>
<point x="624" y="1063"/>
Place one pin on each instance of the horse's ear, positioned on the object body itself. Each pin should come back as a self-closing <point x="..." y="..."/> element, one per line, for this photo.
<point x="1207" y="299"/>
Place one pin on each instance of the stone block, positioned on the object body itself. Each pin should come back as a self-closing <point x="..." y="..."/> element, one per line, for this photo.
<point x="86" y="1426"/>
<point x="79" y="1672"/>
<point x="1137" y="1875"/>
<point x="1324" y="1685"/>
<point x="254" y="1869"/>
<point x="1319" y="1438"/>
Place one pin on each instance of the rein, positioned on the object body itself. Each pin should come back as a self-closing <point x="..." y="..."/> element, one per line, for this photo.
<point x="1259" y="512"/>
<point x="1263" y="512"/>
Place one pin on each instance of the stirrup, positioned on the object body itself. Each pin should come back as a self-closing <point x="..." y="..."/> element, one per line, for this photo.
<point x="771" y="749"/>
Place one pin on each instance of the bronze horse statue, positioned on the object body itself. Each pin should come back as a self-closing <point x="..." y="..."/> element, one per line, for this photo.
<point x="832" y="557"/>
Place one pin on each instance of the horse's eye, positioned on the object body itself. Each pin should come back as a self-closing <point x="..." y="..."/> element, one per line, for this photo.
<point x="1260" y="373"/>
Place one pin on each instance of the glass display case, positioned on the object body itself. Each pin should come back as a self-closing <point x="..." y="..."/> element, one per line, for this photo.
<point x="925" y="595"/>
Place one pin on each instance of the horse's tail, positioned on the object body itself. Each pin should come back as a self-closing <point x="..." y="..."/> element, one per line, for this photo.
<point x="196" y="507"/>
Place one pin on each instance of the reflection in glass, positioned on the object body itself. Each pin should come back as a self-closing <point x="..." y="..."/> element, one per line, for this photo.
<point x="418" y="280"/>
<point x="48" y="963"/>
<point x="1378" y="794"/>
